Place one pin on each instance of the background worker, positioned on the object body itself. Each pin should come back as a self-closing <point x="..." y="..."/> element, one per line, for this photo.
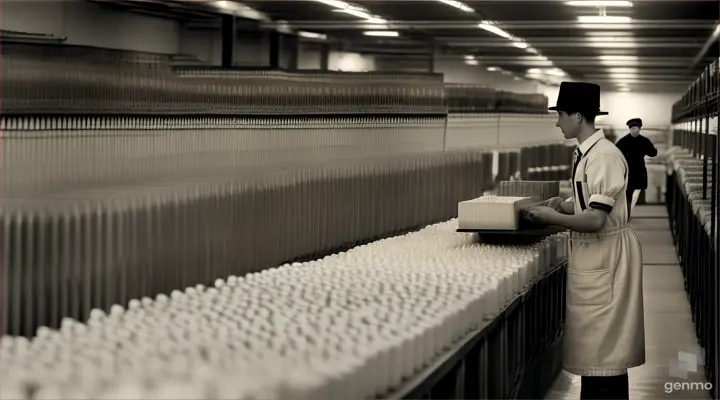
<point x="635" y="147"/>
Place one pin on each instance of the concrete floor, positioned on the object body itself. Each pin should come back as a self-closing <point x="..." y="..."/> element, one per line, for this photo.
<point x="668" y="324"/>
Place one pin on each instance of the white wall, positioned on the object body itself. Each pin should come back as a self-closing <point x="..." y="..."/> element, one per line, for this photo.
<point x="654" y="108"/>
<point x="350" y="62"/>
<point x="551" y="92"/>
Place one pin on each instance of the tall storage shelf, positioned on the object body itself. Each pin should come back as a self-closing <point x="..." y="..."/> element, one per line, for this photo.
<point x="692" y="201"/>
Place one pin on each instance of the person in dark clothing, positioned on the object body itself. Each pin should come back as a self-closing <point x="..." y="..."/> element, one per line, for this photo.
<point x="635" y="147"/>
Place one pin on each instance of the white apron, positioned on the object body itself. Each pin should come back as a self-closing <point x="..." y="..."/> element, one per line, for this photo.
<point x="604" y="327"/>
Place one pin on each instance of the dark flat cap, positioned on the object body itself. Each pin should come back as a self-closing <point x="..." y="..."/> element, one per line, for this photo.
<point x="634" y="122"/>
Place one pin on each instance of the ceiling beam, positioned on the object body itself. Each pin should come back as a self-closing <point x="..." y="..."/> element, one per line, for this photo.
<point x="641" y="81"/>
<point x="708" y="43"/>
<point x="508" y="25"/>
<point x="610" y="76"/>
<point x="540" y="43"/>
<point x="591" y="61"/>
<point x="582" y="39"/>
<point x="599" y="61"/>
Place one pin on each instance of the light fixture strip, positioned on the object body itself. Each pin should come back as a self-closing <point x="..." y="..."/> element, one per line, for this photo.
<point x="362" y="14"/>
<point x="516" y="42"/>
<point x="492" y="28"/>
<point x="312" y="35"/>
<point x="382" y="33"/>
<point x="606" y="3"/>
<point x="335" y="3"/>
<point x="356" y="11"/>
<point x="603" y="19"/>
<point x="458" y="4"/>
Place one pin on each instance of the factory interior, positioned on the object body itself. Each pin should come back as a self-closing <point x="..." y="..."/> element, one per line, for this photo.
<point x="268" y="199"/>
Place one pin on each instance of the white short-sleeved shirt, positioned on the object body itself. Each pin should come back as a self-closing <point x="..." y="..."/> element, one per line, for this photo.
<point x="599" y="180"/>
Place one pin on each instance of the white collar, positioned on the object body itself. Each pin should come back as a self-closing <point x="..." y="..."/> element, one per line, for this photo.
<point x="585" y="146"/>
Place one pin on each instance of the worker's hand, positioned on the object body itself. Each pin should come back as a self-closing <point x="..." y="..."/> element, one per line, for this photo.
<point x="540" y="215"/>
<point x="555" y="203"/>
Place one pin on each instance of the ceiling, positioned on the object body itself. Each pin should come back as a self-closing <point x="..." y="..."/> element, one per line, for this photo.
<point x="666" y="43"/>
<point x="664" y="46"/>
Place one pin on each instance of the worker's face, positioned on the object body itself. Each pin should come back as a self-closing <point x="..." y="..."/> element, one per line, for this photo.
<point x="569" y="124"/>
<point x="634" y="131"/>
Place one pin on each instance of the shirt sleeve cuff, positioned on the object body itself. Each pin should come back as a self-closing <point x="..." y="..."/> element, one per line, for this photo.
<point x="602" y="202"/>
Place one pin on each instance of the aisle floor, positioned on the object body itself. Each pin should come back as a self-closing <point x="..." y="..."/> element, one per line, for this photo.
<point x="668" y="323"/>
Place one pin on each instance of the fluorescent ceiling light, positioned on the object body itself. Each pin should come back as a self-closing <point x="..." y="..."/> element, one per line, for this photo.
<point x="625" y="76"/>
<point x="604" y="26"/>
<point x="457" y="4"/>
<point x="471" y="62"/>
<point x="614" y="45"/>
<point x="555" y="72"/>
<point x="382" y="33"/>
<point x="532" y="51"/>
<point x="494" y="29"/>
<point x="362" y="14"/>
<point x="618" y="61"/>
<point x="607" y="35"/>
<point x="551" y="71"/>
<point x="493" y="69"/>
<point x="469" y="57"/>
<point x="607" y="57"/>
<point x="520" y="45"/>
<point x="600" y="19"/>
<point x="312" y="35"/>
<point x="335" y="3"/>
<point x="238" y="9"/>
<point x="606" y="3"/>
<point x="623" y="70"/>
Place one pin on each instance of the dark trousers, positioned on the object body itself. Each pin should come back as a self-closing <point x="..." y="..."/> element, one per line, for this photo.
<point x="629" y="194"/>
<point x="605" y="388"/>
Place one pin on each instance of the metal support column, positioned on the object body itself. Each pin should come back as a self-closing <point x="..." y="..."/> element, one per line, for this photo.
<point x="705" y="133"/>
<point x="325" y="57"/>
<point x="229" y="34"/>
<point x="292" y="45"/>
<point x="714" y="196"/>
<point x="275" y="49"/>
<point x="433" y="57"/>
<point x="716" y="240"/>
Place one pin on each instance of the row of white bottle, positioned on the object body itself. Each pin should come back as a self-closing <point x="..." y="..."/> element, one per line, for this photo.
<point x="60" y="154"/>
<point x="352" y="325"/>
<point x="114" y="242"/>
<point x="64" y="84"/>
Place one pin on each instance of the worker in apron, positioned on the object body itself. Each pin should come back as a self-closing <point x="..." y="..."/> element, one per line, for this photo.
<point x="635" y="147"/>
<point x="604" y="332"/>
